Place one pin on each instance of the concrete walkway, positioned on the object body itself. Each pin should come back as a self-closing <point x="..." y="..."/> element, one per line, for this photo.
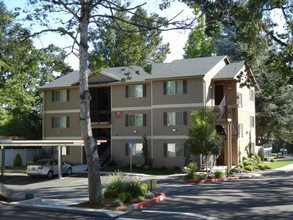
<point x="63" y="205"/>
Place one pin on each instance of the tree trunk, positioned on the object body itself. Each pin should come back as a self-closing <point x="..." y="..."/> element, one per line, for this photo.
<point x="94" y="180"/>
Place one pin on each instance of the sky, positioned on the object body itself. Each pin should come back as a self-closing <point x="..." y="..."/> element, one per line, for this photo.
<point x="175" y="38"/>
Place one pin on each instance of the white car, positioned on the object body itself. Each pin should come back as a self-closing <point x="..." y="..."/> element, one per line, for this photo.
<point x="48" y="167"/>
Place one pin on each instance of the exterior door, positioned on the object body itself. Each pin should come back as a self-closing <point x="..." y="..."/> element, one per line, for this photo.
<point x="219" y="93"/>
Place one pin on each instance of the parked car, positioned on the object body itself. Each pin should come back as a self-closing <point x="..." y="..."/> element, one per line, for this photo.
<point x="48" y="167"/>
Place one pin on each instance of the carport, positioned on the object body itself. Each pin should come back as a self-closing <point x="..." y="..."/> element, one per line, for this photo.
<point x="37" y="143"/>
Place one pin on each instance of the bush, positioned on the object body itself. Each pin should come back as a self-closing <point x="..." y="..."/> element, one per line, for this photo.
<point x="117" y="202"/>
<point x="110" y="193"/>
<point x="135" y="188"/>
<point x="261" y="166"/>
<point x="249" y="167"/>
<point x="240" y="165"/>
<point x="268" y="166"/>
<point x="261" y="153"/>
<point x="149" y="195"/>
<point x="125" y="197"/>
<point x="17" y="161"/>
<point x="29" y="163"/>
<point x="220" y="174"/>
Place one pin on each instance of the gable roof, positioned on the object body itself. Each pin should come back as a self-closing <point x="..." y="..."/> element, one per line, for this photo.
<point x="177" y="68"/>
<point x="230" y="71"/>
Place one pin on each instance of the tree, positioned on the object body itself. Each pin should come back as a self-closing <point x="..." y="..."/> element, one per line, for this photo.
<point x="260" y="33"/>
<point x="77" y="19"/>
<point x="123" y="44"/>
<point x="24" y="68"/>
<point x="198" y="43"/>
<point x="202" y="136"/>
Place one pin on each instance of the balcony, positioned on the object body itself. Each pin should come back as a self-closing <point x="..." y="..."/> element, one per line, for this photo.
<point x="101" y="117"/>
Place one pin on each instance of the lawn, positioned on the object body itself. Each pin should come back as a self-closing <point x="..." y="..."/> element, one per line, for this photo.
<point x="279" y="163"/>
<point x="139" y="170"/>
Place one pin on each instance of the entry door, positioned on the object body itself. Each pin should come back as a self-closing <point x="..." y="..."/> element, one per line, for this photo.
<point x="219" y="93"/>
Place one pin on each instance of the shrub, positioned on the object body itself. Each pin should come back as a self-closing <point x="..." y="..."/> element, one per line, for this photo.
<point x="272" y="160"/>
<point x="240" y="165"/>
<point x="261" y="153"/>
<point x="149" y="195"/>
<point x="190" y="176"/>
<point x="219" y="174"/>
<point x="29" y="163"/>
<point x="135" y="188"/>
<point x="192" y="166"/>
<point x="110" y="193"/>
<point x="261" y="166"/>
<point x="117" y="202"/>
<point x="17" y="161"/>
<point x="141" y="198"/>
<point x="268" y="166"/>
<point x="125" y="197"/>
<point x="249" y="167"/>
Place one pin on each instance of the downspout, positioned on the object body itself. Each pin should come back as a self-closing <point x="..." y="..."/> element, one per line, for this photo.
<point x="152" y="124"/>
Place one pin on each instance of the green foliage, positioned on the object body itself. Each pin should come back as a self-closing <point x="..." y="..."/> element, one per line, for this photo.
<point x="261" y="153"/>
<point x="29" y="162"/>
<point x="202" y="136"/>
<point x="249" y="167"/>
<point x="220" y="174"/>
<point x="125" y="197"/>
<point x="17" y="160"/>
<point x="149" y="195"/>
<point x="110" y="193"/>
<point x="127" y="43"/>
<point x="118" y="183"/>
<point x="117" y="203"/>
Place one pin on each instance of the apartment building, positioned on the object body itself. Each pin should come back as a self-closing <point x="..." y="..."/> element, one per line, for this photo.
<point x="131" y="109"/>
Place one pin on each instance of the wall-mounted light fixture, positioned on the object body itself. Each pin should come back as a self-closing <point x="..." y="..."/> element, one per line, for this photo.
<point x="135" y="131"/>
<point x="174" y="129"/>
<point x="59" y="132"/>
<point x="229" y="85"/>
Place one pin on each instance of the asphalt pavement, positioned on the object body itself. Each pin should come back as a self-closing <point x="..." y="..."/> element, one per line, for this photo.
<point x="64" y="204"/>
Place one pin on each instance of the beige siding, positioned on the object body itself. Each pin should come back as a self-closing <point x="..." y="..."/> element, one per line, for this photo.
<point x="119" y="100"/>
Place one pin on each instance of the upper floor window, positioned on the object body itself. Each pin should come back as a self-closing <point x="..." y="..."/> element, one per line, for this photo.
<point x="175" y="118"/>
<point x="173" y="150"/>
<point x="251" y="95"/>
<point x="252" y="121"/>
<point x="240" y="130"/>
<point x="135" y="120"/>
<point x="239" y="99"/>
<point x="174" y="87"/>
<point x="60" y="95"/>
<point x="135" y="91"/>
<point x="60" y="122"/>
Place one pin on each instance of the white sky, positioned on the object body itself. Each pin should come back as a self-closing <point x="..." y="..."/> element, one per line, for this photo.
<point x="176" y="39"/>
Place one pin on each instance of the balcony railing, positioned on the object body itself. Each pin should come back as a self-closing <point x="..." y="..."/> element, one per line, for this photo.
<point x="101" y="117"/>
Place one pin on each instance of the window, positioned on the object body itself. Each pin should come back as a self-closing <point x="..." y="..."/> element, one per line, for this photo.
<point x="239" y="100"/>
<point x="173" y="150"/>
<point x="240" y="130"/>
<point x="251" y="95"/>
<point x="251" y="121"/>
<point x="175" y="87"/>
<point x="60" y="122"/>
<point x="60" y="96"/>
<point x="136" y="149"/>
<point x="135" y="120"/>
<point x="175" y="118"/>
<point x="135" y="91"/>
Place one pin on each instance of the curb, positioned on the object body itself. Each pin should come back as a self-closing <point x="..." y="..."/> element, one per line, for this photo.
<point x="214" y="180"/>
<point x="149" y="202"/>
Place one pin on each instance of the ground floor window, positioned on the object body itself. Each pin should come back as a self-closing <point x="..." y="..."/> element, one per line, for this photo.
<point x="173" y="150"/>
<point x="135" y="148"/>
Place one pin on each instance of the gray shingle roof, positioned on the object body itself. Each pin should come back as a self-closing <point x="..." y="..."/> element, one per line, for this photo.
<point x="177" y="68"/>
<point x="229" y="71"/>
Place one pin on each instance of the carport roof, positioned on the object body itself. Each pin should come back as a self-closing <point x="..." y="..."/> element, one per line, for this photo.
<point x="23" y="143"/>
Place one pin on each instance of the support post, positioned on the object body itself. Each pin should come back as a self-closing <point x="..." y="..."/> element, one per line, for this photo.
<point x="2" y="160"/>
<point x="229" y="145"/>
<point x="59" y="161"/>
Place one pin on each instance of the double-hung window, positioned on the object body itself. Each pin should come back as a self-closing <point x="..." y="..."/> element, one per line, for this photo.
<point x="60" y="122"/>
<point x="136" y="149"/>
<point x="173" y="150"/>
<point x="135" y="91"/>
<point x="135" y="120"/>
<point x="175" y="87"/>
<point x="60" y="95"/>
<point x="175" y="118"/>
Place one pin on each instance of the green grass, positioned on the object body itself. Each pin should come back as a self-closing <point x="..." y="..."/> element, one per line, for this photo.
<point x="139" y="170"/>
<point x="280" y="163"/>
